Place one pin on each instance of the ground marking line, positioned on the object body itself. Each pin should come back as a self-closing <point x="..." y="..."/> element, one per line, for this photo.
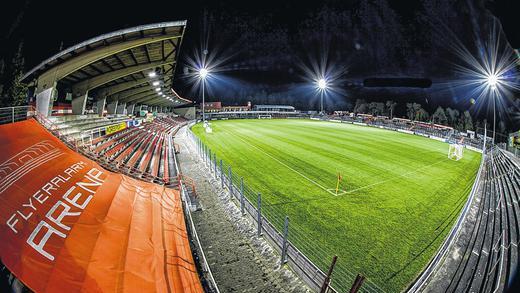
<point x="287" y="166"/>
<point x="328" y="189"/>
<point x="395" y="177"/>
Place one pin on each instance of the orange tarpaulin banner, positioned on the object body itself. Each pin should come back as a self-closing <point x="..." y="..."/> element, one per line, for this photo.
<point x="68" y="225"/>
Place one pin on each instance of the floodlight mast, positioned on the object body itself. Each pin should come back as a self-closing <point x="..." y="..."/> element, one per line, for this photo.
<point x="203" y="72"/>
<point x="492" y="82"/>
<point x="322" y="86"/>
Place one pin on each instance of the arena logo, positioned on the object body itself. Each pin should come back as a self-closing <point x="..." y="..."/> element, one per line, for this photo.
<point x="25" y="161"/>
<point x="71" y="204"/>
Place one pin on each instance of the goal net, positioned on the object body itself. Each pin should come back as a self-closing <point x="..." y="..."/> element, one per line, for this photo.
<point x="264" y="116"/>
<point x="455" y="152"/>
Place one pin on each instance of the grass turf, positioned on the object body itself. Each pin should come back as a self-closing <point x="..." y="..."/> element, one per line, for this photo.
<point x="398" y="198"/>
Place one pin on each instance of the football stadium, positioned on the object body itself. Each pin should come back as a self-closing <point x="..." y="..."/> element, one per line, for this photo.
<point x="216" y="147"/>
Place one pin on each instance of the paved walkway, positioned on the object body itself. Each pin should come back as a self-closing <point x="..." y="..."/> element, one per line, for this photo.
<point x="239" y="261"/>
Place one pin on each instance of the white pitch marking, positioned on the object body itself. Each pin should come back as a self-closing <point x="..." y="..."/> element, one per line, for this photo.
<point x="328" y="189"/>
<point x="395" y="177"/>
<point x="289" y="167"/>
<point x="340" y="191"/>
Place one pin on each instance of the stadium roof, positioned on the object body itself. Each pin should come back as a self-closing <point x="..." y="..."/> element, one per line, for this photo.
<point x="116" y="65"/>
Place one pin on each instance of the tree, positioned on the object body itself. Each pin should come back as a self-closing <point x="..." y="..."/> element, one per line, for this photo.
<point x="440" y="116"/>
<point x="390" y="105"/>
<point x="361" y="106"/>
<point x="376" y="108"/>
<point x="17" y="90"/>
<point x="422" y="115"/>
<point x="453" y="116"/>
<point x="380" y="108"/>
<point x="416" y="108"/>
<point x="468" y="122"/>
<point x="372" y="108"/>
<point x="410" y="111"/>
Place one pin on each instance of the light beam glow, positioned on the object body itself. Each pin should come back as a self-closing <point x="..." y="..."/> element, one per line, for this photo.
<point x="322" y="84"/>
<point x="488" y="75"/>
<point x="203" y="72"/>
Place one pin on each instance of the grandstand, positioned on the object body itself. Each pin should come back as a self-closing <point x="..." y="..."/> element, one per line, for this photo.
<point x="144" y="150"/>
<point x="486" y="248"/>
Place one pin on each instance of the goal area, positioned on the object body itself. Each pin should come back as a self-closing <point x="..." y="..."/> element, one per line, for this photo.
<point x="456" y="151"/>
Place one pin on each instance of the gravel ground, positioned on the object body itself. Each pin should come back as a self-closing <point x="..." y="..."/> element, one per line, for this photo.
<point x="239" y="261"/>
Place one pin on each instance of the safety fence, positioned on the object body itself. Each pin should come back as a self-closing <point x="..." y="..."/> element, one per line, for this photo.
<point x="14" y="114"/>
<point x="287" y="238"/>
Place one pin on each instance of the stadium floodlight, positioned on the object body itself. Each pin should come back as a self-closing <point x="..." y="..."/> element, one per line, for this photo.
<point x="492" y="81"/>
<point x="152" y="74"/>
<point x="322" y="84"/>
<point x="155" y="83"/>
<point x="489" y="77"/>
<point x="322" y="87"/>
<point x="203" y="72"/>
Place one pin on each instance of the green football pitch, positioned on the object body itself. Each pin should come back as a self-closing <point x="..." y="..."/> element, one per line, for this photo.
<point x="398" y="198"/>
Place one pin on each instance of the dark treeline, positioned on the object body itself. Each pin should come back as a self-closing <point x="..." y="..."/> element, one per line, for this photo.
<point x="459" y="120"/>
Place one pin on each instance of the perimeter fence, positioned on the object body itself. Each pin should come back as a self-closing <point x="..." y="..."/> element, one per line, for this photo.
<point x="308" y="259"/>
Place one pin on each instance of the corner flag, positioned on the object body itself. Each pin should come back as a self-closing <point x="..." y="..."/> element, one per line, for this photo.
<point x="337" y="184"/>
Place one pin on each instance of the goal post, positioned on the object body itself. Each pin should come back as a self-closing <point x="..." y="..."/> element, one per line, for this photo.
<point x="264" y="116"/>
<point x="455" y="151"/>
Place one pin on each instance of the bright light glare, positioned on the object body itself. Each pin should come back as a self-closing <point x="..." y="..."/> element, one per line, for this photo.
<point x="152" y="74"/>
<point x="157" y="89"/>
<point x="155" y="83"/>
<point x="322" y="84"/>
<point x="492" y="81"/>
<point x="203" y="72"/>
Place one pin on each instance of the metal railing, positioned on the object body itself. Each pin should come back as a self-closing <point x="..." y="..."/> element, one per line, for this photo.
<point x="208" y="281"/>
<point x="285" y="237"/>
<point x="15" y="114"/>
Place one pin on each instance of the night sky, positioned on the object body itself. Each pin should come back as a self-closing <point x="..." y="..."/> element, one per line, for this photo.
<point x="268" y="44"/>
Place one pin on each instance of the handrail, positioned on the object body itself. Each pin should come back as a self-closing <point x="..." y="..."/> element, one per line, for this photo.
<point x="204" y="261"/>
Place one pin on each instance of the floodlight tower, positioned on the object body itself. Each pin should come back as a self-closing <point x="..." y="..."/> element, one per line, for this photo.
<point x="203" y="72"/>
<point x="322" y="87"/>
<point x="492" y="82"/>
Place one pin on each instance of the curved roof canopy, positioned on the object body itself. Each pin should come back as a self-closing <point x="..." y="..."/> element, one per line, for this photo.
<point x="134" y="65"/>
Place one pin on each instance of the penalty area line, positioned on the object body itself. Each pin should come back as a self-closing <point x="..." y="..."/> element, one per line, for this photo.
<point x="395" y="177"/>
<point x="287" y="166"/>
